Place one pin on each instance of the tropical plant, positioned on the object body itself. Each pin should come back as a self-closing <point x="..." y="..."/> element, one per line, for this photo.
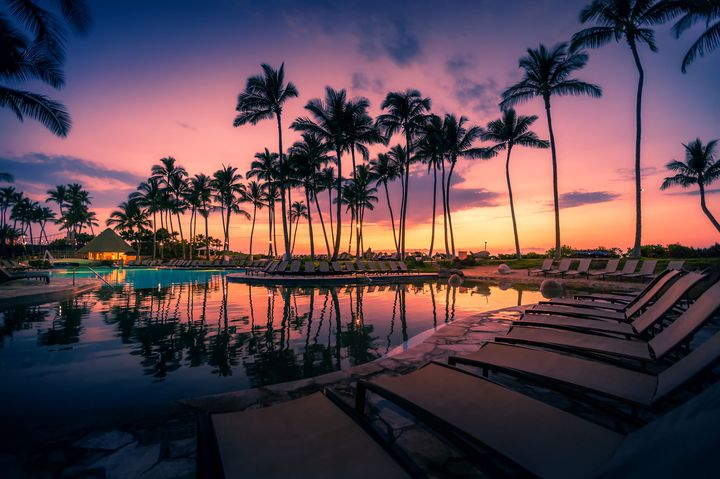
<point x="151" y="196"/>
<point x="362" y="195"/>
<point x="694" y="11"/>
<point x="130" y="219"/>
<point x="174" y="178"/>
<point x="431" y="150"/>
<point x="506" y="132"/>
<point x="262" y="99"/>
<point x="701" y="167"/>
<point x="297" y="210"/>
<point x="40" y="58"/>
<point x="547" y="73"/>
<point x="255" y="193"/>
<point x="407" y="114"/>
<point x="228" y="192"/>
<point x="384" y="170"/>
<point x="199" y="197"/>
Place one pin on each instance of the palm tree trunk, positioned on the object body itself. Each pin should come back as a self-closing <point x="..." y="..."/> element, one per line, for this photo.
<point x="270" y="229"/>
<point x="449" y="213"/>
<point x="332" y="231"/>
<point x="638" y="137"/>
<point x="556" y="198"/>
<point x="322" y="223"/>
<point x="444" y="200"/>
<point x="309" y="218"/>
<point x="227" y="228"/>
<point x="252" y="230"/>
<point x="154" y="235"/>
<point x="704" y="206"/>
<point x="405" y="195"/>
<point x="207" y="237"/>
<point x="190" y="234"/>
<point x="352" y="221"/>
<point x="292" y="248"/>
<point x="512" y="205"/>
<point x="392" y="218"/>
<point x="286" y="234"/>
<point x="338" y="210"/>
<point x="432" y="231"/>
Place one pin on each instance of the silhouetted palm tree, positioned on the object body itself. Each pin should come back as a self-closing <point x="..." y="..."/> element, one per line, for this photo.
<point x="129" y="219"/>
<point x="694" y="11"/>
<point x="363" y="194"/>
<point x="200" y="193"/>
<point x="510" y="130"/>
<point x="265" y="169"/>
<point x="58" y="196"/>
<point x="262" y="99"/>
<point x="407" y="114"/>
<point x="458" y="144"/>
<point x="624" y="20"/>
<point x="324" y="181"/>
<point x="297" y="210"/>
<point x="38" y="59"/>
<point x="330" y="123"/>
<point x="547" y="73"/>
<point x="701" y="168"/>
<point x="256" y="195"/>
<point x="384" y="169"/>
<point x="150" y="195"/>
<point x="173" y="178"/>
<point x="227" y="185"/>
<point x="432" y="151"/>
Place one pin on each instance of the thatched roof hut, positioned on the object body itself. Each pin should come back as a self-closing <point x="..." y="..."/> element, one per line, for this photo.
<point x="108" y="245"/>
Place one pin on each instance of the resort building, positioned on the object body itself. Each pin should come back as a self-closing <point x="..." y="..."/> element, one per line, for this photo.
<point x="108" y="245"/>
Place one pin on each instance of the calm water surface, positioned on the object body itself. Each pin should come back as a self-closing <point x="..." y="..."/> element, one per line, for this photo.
<point x="162" y="335"/>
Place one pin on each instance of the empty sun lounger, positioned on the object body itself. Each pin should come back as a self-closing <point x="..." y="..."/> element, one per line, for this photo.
<point x="309" y="267"/>
<point x="546" y="266"/>
<point x="393" y="266"/>
<point x="6" y="276"/>
<point x="562" y="268"/>
<point x="555" y="369"/>
<point x="647" y="270"/>
<point x="675" y="265"/>
<point x="323" y="267"/>
<point x="403" y="266"/>
<point x="610" y="267"/>
<point x="282" y="267"/>
<point x="640" y="325"/>
<point x="337" y="267"/>
<point x="313" y="436"/>
<point x="294" y="267"/>
<point x="583" y="268"/>
<point x="382" y="267"/>
<point x="629" y="267"/>
<point x="619" y="302"/>
<point x="359" y="265"/>
<point x="653" y="350"/>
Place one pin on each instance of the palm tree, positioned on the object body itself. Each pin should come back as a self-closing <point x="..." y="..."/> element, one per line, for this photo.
<point x="325" y="180"/>
<point x="150" y="195"/>
<point x="199" y="196"/>
<point x="38" y="59"/>
<point x="458" y="144"/>
<point x="297" y="210"/>
<point x="266" y="169"/>
<point x="363" y="194"/>
<point x="173" y="177"/>
<point x="8" y="197"/>
<point x="506" y="132"/>
<point x="547" y="73"/>
<point x="272" y="196"/>
<point x="407" y="114"/>
<point x="227" y="185"/>
<point x="44" y="214"/>
<point x="129" y="219"/>
<point x="330" y="123"/>
<point x="694" y="11"/>
<point x="307" y="157"/>
<point x="624" y="20"/>
<point x="701" y="168"/>
<point x="59" y="195"/>
<point x="262" y="99"/>
<point x="256" y="195"/>
<point x="385" y="169"/>
<point x="431" y="150"/>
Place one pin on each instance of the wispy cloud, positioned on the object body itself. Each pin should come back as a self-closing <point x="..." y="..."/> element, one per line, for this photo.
<point x="577" y="198"/>
<point x="361" y="82"/>
<point x="186" y="126"/>
<point x="628" y="174"/>
<point x="481" y="96"/>
<point x="394" y="38"/>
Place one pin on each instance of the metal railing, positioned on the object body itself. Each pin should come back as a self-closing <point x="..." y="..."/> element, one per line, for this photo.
<point x="94" y="272"/>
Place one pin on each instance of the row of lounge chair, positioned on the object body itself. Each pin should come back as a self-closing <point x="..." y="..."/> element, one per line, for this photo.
<point x="196" y="263"/>
<point x="334" y="267"/>
<point x="610" y="271"/>
<point x="7" y="275"/>
<point x="11" y="264"/>
<point x="585" y="349"/>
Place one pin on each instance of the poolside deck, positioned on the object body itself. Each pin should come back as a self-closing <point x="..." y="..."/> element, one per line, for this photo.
<point x="30" y="291"/>
<point x="332" y="279"/>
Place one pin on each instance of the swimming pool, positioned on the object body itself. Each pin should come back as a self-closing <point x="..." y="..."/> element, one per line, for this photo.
<point x="162" y="335"/>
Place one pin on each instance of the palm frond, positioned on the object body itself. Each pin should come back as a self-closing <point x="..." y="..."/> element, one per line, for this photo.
<point x="51" y="114"/>
<point x="706" y="43"/>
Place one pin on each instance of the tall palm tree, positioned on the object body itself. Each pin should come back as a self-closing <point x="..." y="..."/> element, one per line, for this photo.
<point x="459" y="141"/>
<point x="547" y="73"/>
<point x="44" y="214"/>
<point x="256" y="195"/>
<point x="263" y="99"/>
<point x="59" y="196"/>
<point x="407" y="114"/>
<point x="506" y="132"/>
<point x="8" y="197"/>
<point x="330" y="123"/>
<point x="38" y="59"/>
<point x="325" y="181"/>
<point x="431" y="150"/>
<point x="265" y="168"/>
<point x="199" y="195"/>
<point x="694" y="11"/>
<point x="272" y="196"/>
<point x="363" y="194"/>
<point x="628" y="21"/>
<point x="384" y="169"/>
<point x="150" y="195"/>
<point x="701" y="168"/>
<point x="129" y="219"/>
<point x="297" y="210"/>
<point x="174" y="178"/>
<point x="227" y="184"/>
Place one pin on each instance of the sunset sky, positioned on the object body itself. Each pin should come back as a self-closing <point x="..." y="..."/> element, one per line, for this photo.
<point x="157" y="79"/>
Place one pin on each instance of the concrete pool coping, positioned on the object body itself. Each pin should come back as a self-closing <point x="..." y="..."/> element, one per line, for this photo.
<point x="330" y="279"/>
<point x="25" y="292"/>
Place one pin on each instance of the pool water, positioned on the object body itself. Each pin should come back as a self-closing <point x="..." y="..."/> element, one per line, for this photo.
<point x="162" y="335"/>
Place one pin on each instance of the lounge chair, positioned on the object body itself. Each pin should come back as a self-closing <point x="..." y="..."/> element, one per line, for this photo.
<point x="393" y="266"/>
<point x="308" y="437"/>
<point x="6" y="276"/>
<point x="281" y="267"/>
<point x="583" y="268"/>
<point x="612" y="311"/>
<point x="610" y="267"/>
<point x="359" y="265"/>
<point x="546" y="266"/>
<point x="647" y="270"/>
<point x="653" y="350"/>
<point x="403" y="267"/>
<point x="629" y="267"/>
<point x="618" y="302"/>
<point x="337" y="267"/>
<point x="383" y="267"/>
<point x="294" y="267"/>
<point x="555" y="369"/>
<point x="563" y="267"/>
<point x="309" y="267"/>
<point x="675" y="265"/>
<point x="640" y="325"/>
<point x="323" y="267"/>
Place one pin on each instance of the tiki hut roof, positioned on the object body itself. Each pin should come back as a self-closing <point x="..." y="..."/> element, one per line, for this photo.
<point x="107" y="242"/>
